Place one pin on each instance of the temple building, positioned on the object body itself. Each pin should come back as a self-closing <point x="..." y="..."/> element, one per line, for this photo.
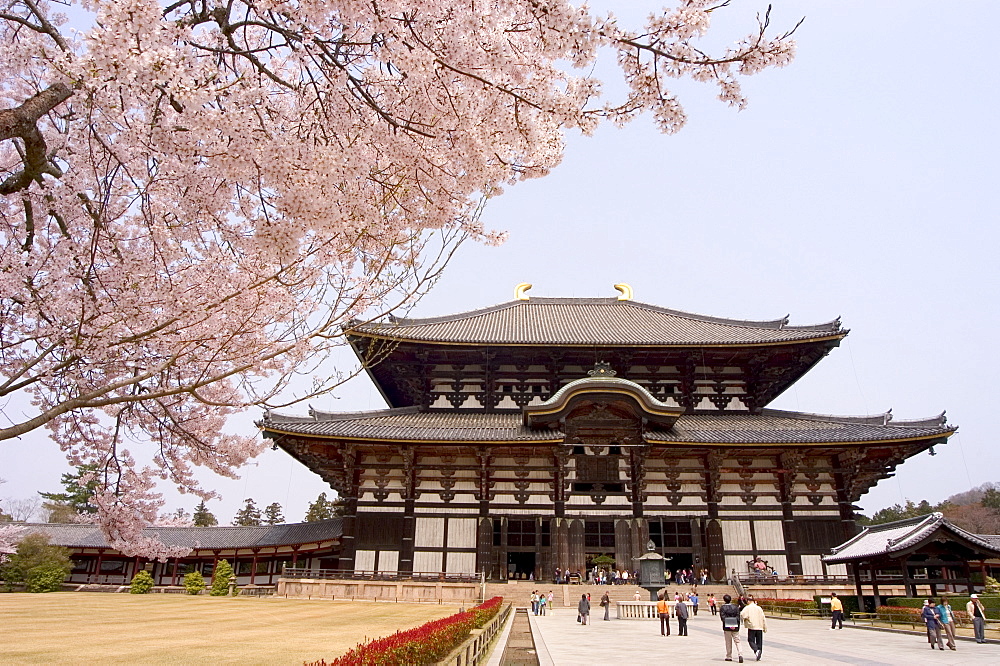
<point x="544" y="432"/>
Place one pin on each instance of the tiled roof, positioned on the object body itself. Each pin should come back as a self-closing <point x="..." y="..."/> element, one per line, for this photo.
<point x="898" y="536"/>
<point x="198" y="538"/>
<point x="593" y="321"/>
<point x="769" y="427"/>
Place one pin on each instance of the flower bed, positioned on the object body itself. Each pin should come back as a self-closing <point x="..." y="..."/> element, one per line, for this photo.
<point x="425" y="644"/>
<point x="772" y="604"/>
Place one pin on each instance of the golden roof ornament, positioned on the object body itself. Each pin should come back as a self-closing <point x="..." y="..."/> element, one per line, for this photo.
<point x="624" y="291"/>
<point x="520" y="291"/>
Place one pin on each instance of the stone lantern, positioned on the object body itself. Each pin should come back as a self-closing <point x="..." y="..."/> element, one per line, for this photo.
<point x="651" y="566"/>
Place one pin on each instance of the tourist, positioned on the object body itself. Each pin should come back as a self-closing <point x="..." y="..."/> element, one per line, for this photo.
<point x="681" y="613"/>
<point x="583" y="609"/>
<point x="756" y="624"/>
<point x="637" y="596"/>
<point x="542" y="601"/>
<point x="729" y="613"/>
<point x="978" y="614"/>
<point x="534" y="602"/>
<point x="694" y="602"/>
<point x="558" y="576"/>
<point x="606" y="602"/>
<point x="948" y="621"/>
<point x="836" y="612"/>
<point x="663" y="611"/>
<point x="704" y="578"/>
<point x="932" y="620"/>
<point x="549" y="600"/>
<point x="711" y="604"/>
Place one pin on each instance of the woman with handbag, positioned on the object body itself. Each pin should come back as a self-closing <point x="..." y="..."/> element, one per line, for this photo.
<point x="606" y="602"/>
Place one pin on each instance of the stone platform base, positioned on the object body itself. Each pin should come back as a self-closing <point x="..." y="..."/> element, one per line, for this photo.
<point x="396" y="591"/>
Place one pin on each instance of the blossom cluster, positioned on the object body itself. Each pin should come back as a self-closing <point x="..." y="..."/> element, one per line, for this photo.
<point x="196" y="197"/>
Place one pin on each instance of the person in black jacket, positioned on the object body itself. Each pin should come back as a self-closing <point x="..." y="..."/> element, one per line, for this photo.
<point x="729" y="613"/>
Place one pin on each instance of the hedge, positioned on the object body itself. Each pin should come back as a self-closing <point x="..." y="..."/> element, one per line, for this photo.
<point x="770" y="604"/>
<point x="990" y="603"/>
<point x="910" y="614"/>
<point x="425" y="644"/>
<point x="850" y="603"/>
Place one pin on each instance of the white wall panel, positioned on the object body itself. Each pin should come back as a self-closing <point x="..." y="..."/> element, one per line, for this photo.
<point x="425" y="562"/>
<point x="736" y="535"/>
<point x="837" y="569"/>
<point x="770" y="535"/>
<point x="388" y="561"/>
<point x="462" y="532"/>
<point x="429" y="533"/>
<point x="364" y="560"/>
<point x="812" y="565"/>
<point x="461" y="563"/>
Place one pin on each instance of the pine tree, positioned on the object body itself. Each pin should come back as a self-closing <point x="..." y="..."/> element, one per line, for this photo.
<point x="248" y="515"/>
<point x="272" y="514"/>
<point x="203" y="517"/>
<point x="75" y="500"/>
<point x="321" y="509"/>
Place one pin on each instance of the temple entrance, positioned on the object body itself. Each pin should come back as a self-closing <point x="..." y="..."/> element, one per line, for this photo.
<point x="677" y="561"/>
<point x="520" y="566"/>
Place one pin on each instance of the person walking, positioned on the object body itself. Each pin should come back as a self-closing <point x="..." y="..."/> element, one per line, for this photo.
<point x="836" y="611"/>
<point x="534" y="602"/>
<point x="931" y="619"/>
<point x="549" y="601"/>
<point x="978" y="614"/>
<point x="583" y="608"/>
<point x="663" y="612"/>
<point x="681" y="613"/>
<point x="606" y="602"/>
<point x="947" y="621"/>
<point x="542" y="601"/>
<point x="729" y="613"/>
<point x="756" y="624"/>
<point x="711" y="604"/>
<point x="694" y="602"/>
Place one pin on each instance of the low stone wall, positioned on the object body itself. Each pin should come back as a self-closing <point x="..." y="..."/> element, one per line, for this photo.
<point x="808" y="591"/>
<point x="409" y="591"/>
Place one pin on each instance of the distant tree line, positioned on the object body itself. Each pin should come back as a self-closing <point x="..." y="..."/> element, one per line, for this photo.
<point x="976" y="510"/>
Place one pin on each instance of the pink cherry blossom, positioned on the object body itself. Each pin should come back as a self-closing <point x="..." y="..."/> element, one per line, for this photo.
<point x="197" y="195"/>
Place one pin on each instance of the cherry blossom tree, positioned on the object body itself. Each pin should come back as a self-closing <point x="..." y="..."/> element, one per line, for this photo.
<point x="196" y="196"/>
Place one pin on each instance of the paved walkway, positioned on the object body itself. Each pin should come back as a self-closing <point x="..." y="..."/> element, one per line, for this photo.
<point x="798" y="642"/>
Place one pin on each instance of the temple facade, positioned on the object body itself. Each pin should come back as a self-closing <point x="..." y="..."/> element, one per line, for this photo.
<point x="544" y="432"/>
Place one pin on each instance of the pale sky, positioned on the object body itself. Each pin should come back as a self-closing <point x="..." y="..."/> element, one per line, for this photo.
<point x="861" y="183"/>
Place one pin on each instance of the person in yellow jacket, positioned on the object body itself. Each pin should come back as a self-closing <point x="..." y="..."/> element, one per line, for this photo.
<point x="836" y="611"/>
<point x="663" y="610"/>
<point x="753" y="619"/>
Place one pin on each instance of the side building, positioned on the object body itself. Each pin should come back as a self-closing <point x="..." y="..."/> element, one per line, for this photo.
<point x="544" y="432"/>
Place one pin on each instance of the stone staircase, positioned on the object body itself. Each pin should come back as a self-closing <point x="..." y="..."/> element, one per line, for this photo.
<point x="567" y="596"/>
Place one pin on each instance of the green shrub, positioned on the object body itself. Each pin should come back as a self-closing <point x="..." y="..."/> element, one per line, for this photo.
<point x="771" y="604"/>
<point x="40" y="566"/>
<point x="992" y="585"/>
<point x="45" y="578"/>
<point x="142" y="583"/>
<point x="220" y="579"/>
<point x="194" y="582"/>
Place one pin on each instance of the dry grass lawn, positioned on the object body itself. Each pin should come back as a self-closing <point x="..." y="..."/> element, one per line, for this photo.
<point x="96" y="628"/>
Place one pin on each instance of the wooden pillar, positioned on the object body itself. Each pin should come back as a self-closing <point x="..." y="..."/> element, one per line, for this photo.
<point x="295" y="557"/>
<point x="786" y="480"/>
<point x="637" y="478"/>
<point x="967" y="570"/>
<point x="173" y="577"/>
<point x="349" y="491"/>
<point x="713" y="528"/>
<point x="410" y="484"/>
<point x="561" y="469"/>
<point x="253" y="566"/>
<point x="874" y="575"/>
<point x="560" y="543"/>
<point x="577" y="552"/>
<point x="623" y="544"/>
<point x="908" y="585"/>
<point x="857" y="586"/>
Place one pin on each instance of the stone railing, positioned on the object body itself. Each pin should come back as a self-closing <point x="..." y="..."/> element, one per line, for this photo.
<point x="644" y="610"/>
<point x="477" y="646"/>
